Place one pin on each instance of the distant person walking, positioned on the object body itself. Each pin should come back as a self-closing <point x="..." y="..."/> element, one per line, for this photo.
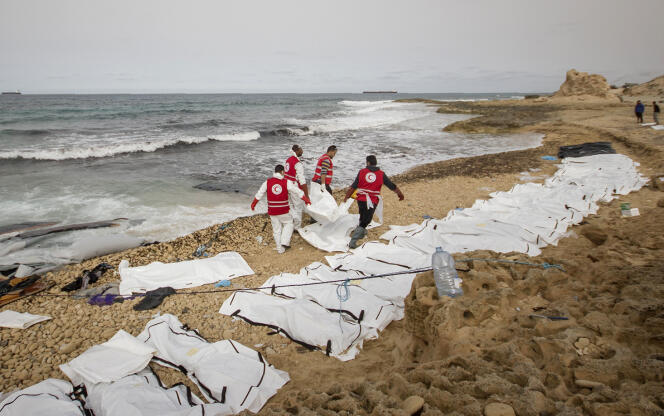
<point x="324" y="169"/>
<point x="294" y="171"/>
<point x="638" y="110"/>
<point x="368" y="183"/>
<point x="655" y="112"/>
<point x="278" y="189"/>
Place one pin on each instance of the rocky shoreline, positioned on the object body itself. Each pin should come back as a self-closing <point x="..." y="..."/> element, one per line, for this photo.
<point x="468" y="355"/>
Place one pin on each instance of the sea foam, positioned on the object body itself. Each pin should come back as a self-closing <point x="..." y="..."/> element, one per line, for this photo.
<point x="94" y="151"/>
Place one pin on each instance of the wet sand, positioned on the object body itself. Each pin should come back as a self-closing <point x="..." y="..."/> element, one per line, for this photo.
<point x="460" y="355"/>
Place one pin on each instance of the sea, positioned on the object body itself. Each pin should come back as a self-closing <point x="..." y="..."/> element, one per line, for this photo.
<point x="175" y="163"/>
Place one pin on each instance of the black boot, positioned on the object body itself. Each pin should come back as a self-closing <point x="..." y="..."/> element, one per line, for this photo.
<point x="357" y="234"/>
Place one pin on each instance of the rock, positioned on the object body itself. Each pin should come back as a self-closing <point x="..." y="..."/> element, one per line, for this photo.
<point x="660" y="203"/>
<point x="426" y="296"/>
<point x="108" y="333"/>
<point x="545" y="327"/>
<point x="22" y="375"/>
<point x="463" y="266"/>
<point x="412" y="405"/>
<point x="68" y="348"/>
<point x="588" y="384"/>
<point x="498" y="409"/>
<point x="594" y="234"/>
<point x="582" y="343"/>
<point x="581" y="83"/>
<point x="598" y="321"/>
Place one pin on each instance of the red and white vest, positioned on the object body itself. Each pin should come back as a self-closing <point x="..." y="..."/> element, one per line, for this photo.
<point x="328" y="175"/>
<point x="277" y="196"/>
<point x="289" y="172"/>
<point x="369" y="183"/>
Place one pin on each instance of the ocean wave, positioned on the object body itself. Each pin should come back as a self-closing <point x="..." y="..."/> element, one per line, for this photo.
<point x="379" y="103"/>
<point x="120" y="148"/>
<point x="177" y="125"/>
<point x="27" y="132"/>
<point x="236" y="137"/>
<point x="288" y="131"/>
<point x="356" y="115"/>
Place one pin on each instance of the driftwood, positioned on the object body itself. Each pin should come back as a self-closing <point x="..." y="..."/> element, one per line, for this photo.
<point x="71" y="227"/>
<point x="24" y="226"/>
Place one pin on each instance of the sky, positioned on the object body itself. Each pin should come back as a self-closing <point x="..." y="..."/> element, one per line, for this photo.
<point x="313" y="46"/>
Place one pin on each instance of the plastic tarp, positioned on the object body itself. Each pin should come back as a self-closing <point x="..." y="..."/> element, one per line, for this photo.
<point x="230" y="375"/>
<point x="20" y="320"/>
<point x="50" y="397"/>
<point x="324" y="208"/>
<point x="333" y="226"/>
<point x="391" y="288"/>
<point x="142" y="394"/>
<point x="361" y="305"/>
<point x="529" y="216"/>
<point x="184" y="274"/>
<point x="302" y="321"/>
<point x="334" y="236"/>
<point x="585" y="149"/>
<point x="331" y="236"/>
<point x="118" y="357"/>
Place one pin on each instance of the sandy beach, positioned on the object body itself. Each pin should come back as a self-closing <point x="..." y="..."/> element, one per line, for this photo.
<point x="457" y="356"/>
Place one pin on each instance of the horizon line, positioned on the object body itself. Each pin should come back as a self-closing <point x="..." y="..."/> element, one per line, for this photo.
<point x="267" y="93"/>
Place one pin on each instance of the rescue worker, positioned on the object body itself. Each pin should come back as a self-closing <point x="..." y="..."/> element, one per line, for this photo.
<point x="368" y="183"/>
<point x="294" y="171"/>
<point x="278" y="189"/>
<point x="324" y="169"/>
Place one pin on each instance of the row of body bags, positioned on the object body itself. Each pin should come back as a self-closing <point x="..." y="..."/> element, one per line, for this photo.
<point x="336" y="318"/>
<point x="117" y="380"/>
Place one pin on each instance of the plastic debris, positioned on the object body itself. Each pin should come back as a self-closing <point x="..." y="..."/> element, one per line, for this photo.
<point x="552" y="318"/>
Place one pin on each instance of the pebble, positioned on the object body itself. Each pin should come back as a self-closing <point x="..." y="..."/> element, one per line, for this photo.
<point x="412" y="405"/>
<point x="588" y="384"/>
<point x="68" y="348"/>
<point x="498" y="409"/>
<point x="108" y="333"/>
<point x="582" y="342"/>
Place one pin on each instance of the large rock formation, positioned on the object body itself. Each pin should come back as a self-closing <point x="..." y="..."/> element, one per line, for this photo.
<point x="652" y="88"/>
<point x="583" y="84"/>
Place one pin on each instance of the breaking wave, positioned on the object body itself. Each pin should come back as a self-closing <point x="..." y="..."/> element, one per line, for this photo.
<point x="356" y="115"/>
<point x="92" y="151"/>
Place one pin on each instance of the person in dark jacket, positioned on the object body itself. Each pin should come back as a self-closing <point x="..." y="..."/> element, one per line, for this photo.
<point x="655" y="112"/>
<point x="368" y="183"/>
<point x="638" y="110"/>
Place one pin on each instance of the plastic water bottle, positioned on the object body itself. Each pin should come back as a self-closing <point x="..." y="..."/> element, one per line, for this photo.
<point x="444" y="274"/>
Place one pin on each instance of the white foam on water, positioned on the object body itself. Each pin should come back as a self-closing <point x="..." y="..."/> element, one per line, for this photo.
<point x="148" y="220"/>
<point x="356" y="115"/>
<point x="236" y="137"/>
<point x="120" y="145"/>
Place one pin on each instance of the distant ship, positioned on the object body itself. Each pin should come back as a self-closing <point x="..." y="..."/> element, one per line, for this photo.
<point x="11" y="92"/>
<point x="379" y="92"/>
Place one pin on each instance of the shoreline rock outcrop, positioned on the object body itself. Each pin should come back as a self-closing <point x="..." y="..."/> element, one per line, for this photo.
<point x="581" y="84"/>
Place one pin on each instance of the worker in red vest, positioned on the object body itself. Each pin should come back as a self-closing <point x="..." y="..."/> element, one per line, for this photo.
<point x="294" y="171"/>
<point x="278" y="188"/>
<point x="324" y="169"/>
<point x="368" y="183"/>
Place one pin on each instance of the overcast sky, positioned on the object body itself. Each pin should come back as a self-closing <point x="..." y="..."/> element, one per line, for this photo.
<point x="83" y="46"/>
